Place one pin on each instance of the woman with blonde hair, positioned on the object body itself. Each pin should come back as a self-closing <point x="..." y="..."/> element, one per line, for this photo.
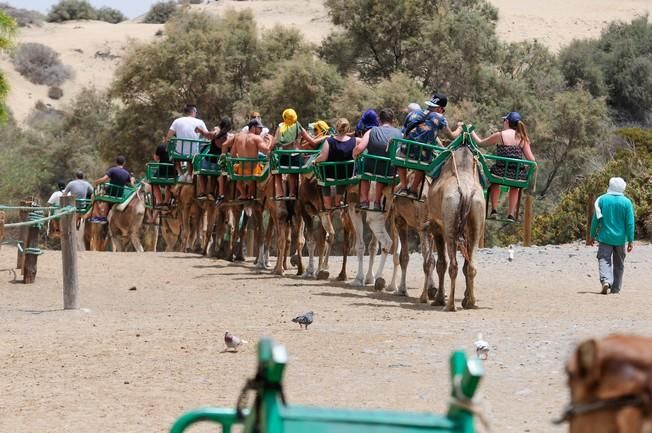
<point x="511" y="142"/>
<point x="288" y="136"/>
<point x="337" y="149"/>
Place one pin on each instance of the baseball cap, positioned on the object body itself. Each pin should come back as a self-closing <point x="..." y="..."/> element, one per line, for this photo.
<point x="512" y="117"/>
<point x="413" y="106"/>
<point x="437" y="100"/>
<point x="255" y="123"/>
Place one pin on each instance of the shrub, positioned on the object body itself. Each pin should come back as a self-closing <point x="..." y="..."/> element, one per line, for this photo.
<point x="110" y="15"/>
<point x="160" y="12"/>
<point x="40" y="64"/>
<point x="23" y="17"/>
<point x="55" y="92"/>
<point x="67" y="10"/>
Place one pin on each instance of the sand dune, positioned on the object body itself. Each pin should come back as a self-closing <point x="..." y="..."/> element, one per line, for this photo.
<point x="555" y="23"/>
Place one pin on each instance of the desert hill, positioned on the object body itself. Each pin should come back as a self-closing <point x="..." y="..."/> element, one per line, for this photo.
<point x="94" y="48"/>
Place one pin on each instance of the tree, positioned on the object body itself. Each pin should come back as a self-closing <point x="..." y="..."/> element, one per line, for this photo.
<point x="161" y="12"/>
<point x="7" y="33"/>
<point x="110" y="15"/>
<point x="67" y="10"/>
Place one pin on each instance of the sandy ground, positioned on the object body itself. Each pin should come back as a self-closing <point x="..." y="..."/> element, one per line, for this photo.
<point x="134" y="360"/>
<point x="554" y="23"/>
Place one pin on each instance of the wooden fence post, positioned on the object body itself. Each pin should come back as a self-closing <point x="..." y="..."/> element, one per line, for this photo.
<point x="527" y="221"/>
<point x="2" y="227"/>
<point x="22" y="234"/>
<point x="30" y="260"/>
<point x="69" y="256"/>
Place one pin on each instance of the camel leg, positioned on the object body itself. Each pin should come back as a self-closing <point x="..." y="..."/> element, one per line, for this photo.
<point x="475" y="232"/>
<point x="404" y="257"/>
<point x="347" y="225"/>
<point x="358" y="226"/>
<point x="440" y="298"/>
<point x="451" y="247"/>
<point x="373" y="249"/>
<point x="327" y="224"/>
<point x="299" y="235"/>
<point x="377" y="224"/>
<point x="135" y="241"/>
<point x="396" y="261"/>
<point x="281" y="243"/>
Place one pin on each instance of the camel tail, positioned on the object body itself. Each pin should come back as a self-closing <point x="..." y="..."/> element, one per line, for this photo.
<point x="464" y="210"/>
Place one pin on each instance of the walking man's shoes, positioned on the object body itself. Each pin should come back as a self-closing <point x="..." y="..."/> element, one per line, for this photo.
<point x="605" y="288"/>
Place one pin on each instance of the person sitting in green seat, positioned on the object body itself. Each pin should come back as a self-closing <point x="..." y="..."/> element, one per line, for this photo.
<point x="511" y="142"/>
<point x="117" y="176"/>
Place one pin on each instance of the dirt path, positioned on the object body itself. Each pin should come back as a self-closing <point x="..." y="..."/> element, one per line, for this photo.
<point x="134" y="360"/>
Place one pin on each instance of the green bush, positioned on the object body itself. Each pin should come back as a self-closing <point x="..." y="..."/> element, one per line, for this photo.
<point x="40" y="64"/>
<point x="110" y="15"/>
<point x="67" y="10"/>
<point x="160" y="12"/>
<point x="23" y="17"/>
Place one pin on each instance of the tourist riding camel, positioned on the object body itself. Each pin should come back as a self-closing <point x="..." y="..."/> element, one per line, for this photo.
<point x="187" y="127"/>
<point x="221" y="134"/>
<point x="423" y="127"/>
<point x="117" y="177"/>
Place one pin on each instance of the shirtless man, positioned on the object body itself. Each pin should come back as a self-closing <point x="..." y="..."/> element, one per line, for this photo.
<point x="247" y="145"/>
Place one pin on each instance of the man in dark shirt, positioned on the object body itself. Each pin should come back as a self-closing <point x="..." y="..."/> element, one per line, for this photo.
<point x="161" y="156"/>
<point x="117" y="177"/>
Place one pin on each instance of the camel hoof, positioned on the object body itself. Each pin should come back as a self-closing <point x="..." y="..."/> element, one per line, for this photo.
<point x="379" y="285"/>
<point x="400" y="292"/>
<point x="294" y="260"/>
<point x="439" y="302"/>
<point x="468" y="305"/>
<point x="423" y="299"/>
<point x="278" y="272"/>
<point x="323" y="275"/>
<point x="369" y="280"/>
<point x="239" y="259"/>
<point x="391" y="288"/>
<point x="432" y="292"/>
<point x="341" y="277"/>
<point x="357" y="283"/>
<point x="450" y="308"/>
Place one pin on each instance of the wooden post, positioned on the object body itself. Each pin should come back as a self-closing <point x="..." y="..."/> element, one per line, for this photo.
<point x="30" y="260"/>
<point x="527" y="221"/>
<point x="590" y="209"/>
<point x="2" y="227"/>
<point x="69" y="256"/>
<point x="22" y="234"/>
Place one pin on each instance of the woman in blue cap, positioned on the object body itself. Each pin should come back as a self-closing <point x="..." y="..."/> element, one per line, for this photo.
<point x="511" y="142"/>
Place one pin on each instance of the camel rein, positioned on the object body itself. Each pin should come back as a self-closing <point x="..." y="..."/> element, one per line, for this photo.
<point x="577" y="409"/>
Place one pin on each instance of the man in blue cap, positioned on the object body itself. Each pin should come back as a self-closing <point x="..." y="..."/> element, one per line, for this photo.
<point x="424" y="127"/>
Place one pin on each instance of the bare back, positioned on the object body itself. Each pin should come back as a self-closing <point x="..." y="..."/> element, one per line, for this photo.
<point x="246" y="145"/>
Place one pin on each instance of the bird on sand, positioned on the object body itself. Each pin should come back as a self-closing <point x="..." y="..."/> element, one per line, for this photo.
<point x="232" y="342"/>
<point x="481" y="348"/>
<point x="305" y="319"/>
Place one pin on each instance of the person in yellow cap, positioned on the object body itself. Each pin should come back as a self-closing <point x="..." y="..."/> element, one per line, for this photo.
<point x="289" y="135"/>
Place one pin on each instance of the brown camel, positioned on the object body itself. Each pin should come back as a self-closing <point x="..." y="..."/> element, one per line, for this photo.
<point x="456" y="213"/>
<point x="96" y="234"/>
<point x="125" y="221"/>
<point x="610" y="381"/>
<point x="190" y="215"/>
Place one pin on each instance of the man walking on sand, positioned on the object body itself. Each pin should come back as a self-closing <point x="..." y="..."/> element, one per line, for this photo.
<point x="613" y="226"/>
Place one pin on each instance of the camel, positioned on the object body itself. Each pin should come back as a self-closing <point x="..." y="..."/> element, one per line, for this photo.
<point x="320" y="231"/>
<point x="96" y="234"/>
<point x="456" y="213"/>
<point x="125" y="221"/>
<point x="408" y="213"/>
<point x="376" y="222"/>
<point x="189" y="214"/>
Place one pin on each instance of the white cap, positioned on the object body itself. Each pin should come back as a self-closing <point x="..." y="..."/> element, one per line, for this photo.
<point x="413" y="106"/>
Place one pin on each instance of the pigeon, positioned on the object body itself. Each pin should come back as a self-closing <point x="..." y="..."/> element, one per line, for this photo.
<point x="232" y="342"/>
<point x="481" y="348"/>
<point x="304" y="319"/>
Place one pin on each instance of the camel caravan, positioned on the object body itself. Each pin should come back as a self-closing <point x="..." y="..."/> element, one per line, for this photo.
<point x="298" y="191"/>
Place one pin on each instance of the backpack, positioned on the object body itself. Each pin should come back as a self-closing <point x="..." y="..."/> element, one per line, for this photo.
<point x="413" y="120"/>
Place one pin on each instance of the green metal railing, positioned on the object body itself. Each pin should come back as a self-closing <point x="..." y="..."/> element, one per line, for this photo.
<point x="246" y="169"/>
<point x="410" y="154"/>
<point x="83" y="205"/>
<point x="292" y="161"/>
<point x="206" y="164"/>
<point x="159" y="173"/>
<point x="521" y="170"/>
<point x="336" y="173"/>
<point x="111" y="193"/>
<point x="376" y="168"/>
<point x="271" y="414"/>
<point x="183" y="149"/>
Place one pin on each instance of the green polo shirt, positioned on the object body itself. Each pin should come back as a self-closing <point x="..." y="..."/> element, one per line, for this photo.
<point x="616" y="227"/>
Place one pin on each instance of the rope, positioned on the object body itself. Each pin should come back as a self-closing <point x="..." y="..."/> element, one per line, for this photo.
<point x="6" y="207"/>
<point x="64" y="211"/>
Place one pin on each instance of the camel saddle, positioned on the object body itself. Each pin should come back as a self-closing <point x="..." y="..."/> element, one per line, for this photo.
<point x="610" y="382"/>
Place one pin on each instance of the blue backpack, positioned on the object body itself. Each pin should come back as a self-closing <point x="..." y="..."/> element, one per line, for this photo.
<point x="412" y="120"/>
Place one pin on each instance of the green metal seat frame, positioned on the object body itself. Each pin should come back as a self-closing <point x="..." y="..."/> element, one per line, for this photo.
<point x="511" y="164"/>
<point x="401" y="159"/>
<point x="100" y="193"/>
<point x="231" y="161"/>
<point x="203" y="156"/>
<point x="321" y="169"/>
<point x="83" y="205"/>
<point x="307" y="156"/>
<point x="153" y="170"/>
<point x="382" y="176"/>
<point x="186" y="153"/>
<point x="271" y="414"/>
